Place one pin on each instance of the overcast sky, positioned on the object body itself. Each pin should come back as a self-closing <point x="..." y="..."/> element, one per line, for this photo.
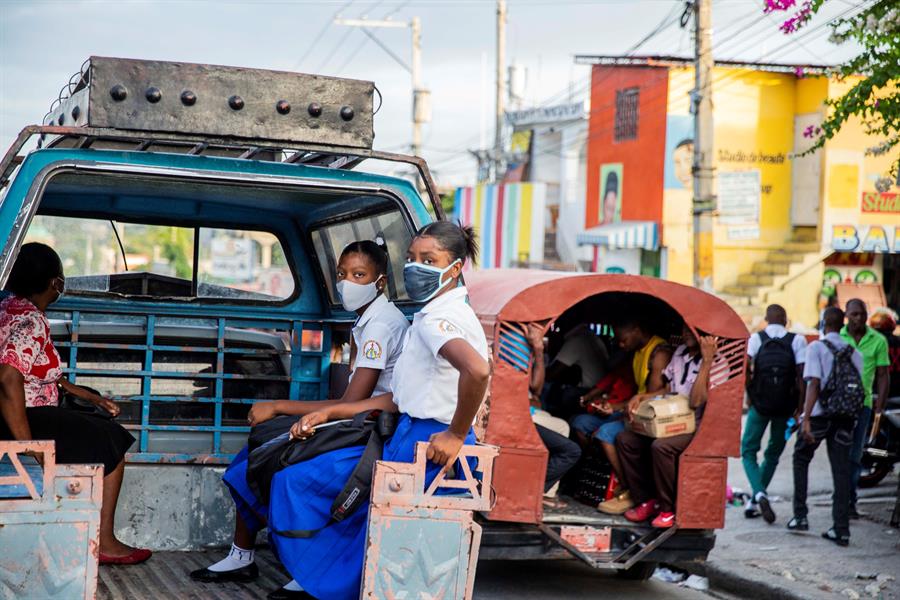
<point x="43" y="42"/>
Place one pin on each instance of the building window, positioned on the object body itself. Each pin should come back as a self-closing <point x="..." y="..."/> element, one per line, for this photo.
<point x="626" y="114"/>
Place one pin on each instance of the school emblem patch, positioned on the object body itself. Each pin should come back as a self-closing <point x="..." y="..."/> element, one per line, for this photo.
<point x="446" y="326"/>
<point x="372" y="350"/>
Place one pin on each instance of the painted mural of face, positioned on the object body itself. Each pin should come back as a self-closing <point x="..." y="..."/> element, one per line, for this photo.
<point x="609" y="206"/>
<point x="682" y="159"/>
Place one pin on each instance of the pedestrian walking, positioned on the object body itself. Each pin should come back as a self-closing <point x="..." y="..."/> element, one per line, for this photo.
<point x="774" y="392"/>
<point x="834" y="400"/>
<point x="874" y="349"/>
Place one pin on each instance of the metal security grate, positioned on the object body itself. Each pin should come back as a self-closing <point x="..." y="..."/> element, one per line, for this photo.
<point x="729" y="362"/>
<point x="513" y="348"/>
<point x="626" y="125"/>
<point x="186" y="384"/>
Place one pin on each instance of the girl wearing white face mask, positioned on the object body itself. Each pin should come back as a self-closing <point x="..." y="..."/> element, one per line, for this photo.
<point x="361" y="276"/>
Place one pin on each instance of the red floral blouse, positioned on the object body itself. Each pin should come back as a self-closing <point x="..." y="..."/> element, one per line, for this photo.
<point x="25" y="345"/>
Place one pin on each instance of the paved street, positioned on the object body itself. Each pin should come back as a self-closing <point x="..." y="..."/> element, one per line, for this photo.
<point x="547" y="580"/>
<point x="752" y="553"/>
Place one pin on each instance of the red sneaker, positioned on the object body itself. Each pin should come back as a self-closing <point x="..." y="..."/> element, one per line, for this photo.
<point x="643" y="512"/>
<point x="663" y="520"/>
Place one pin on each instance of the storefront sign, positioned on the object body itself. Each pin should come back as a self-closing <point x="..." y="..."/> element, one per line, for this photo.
<point x="739" y="197"/>
<point x="875" y="202"/>
<point x="865" y="238"/>
<point x="548" y="114"/>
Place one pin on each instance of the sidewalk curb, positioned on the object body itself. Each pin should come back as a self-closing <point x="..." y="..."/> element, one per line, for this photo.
<point x="742" y="586"/>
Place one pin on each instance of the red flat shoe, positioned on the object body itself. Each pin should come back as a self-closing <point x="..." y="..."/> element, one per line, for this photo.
<point x="137" y="556"/>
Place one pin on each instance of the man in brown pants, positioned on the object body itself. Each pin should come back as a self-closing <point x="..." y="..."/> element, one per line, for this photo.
<point x="650" y="465"/>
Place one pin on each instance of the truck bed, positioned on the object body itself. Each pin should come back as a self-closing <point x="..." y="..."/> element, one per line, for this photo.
<point x="167" y="575"/>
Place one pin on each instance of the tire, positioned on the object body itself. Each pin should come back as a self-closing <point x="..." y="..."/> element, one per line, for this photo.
<point x="872" y="475"/>
<point x="642" y="571"/>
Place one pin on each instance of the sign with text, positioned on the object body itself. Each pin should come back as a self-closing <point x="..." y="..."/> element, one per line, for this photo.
<point x="877" y="202"/>
<point x="866" y="238"/>
<point x="738" y="196"/>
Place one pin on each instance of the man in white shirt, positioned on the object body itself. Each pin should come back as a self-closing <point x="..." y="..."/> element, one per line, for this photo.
<point x="774" y="392"/>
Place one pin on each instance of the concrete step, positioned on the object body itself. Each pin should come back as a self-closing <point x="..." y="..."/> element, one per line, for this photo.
<point x="756" y="279"/>
<point x="804" y="247"/>
<point x="804" y="234"/>
<point x="768" y="268"/>
<point x="785" y="257"/>
<point x="742" y="291"/>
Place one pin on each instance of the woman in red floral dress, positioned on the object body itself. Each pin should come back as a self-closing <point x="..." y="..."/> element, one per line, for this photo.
<point x="30" y="381"/>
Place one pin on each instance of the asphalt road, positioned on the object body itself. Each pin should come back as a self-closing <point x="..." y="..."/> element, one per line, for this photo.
<point x="553" y="580"/>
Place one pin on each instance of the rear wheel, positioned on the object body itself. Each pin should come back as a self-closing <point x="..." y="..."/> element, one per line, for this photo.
<point x="639" y="572"/>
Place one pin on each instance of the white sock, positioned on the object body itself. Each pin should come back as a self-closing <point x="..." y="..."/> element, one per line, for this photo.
<point x="758" y="496"/>
<point x="237" y="558"/>
<point x="292" y="586"/>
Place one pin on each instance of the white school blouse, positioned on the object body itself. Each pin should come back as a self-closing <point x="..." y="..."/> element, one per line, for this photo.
<point x="378" y="335"/>
<point x="425" y="383"/>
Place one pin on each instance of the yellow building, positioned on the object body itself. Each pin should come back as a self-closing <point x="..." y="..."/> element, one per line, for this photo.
<point x="776" y="244"/>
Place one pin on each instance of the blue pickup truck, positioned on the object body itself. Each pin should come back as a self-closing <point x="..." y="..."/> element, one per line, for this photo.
<point x="199" y="211"/>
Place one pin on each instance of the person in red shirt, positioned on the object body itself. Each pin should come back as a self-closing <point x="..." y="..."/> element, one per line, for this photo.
<point x="30" y="380"/>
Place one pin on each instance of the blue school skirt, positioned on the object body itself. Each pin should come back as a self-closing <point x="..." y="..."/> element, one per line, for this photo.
<point x="252" y="510"/>
<point x="329" y="565"/>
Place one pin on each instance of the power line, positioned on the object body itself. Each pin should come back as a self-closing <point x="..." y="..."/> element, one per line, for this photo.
<point x="312" y="45"/>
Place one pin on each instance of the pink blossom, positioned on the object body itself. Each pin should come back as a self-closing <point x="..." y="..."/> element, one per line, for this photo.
<point x="799" y="72"/>
<point x="808" y="132"/>
<point x="800" y="17"/>
<point x="773" y="5"/>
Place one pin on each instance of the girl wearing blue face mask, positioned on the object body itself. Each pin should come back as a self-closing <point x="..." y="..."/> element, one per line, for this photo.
<point x="374" y="348"/>
<point x="439" y="382"/>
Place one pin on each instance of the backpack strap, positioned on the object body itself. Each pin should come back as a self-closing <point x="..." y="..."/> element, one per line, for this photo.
<point x="359" y="484"/>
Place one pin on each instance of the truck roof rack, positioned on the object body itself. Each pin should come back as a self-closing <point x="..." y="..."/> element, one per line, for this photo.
<point x="197" y="100"/>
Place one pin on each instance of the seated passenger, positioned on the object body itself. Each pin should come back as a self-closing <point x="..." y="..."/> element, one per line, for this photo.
<point x="554" y="432"/>
<point x="30" y="383"/>
<point x="650" y="466"/>
<point x="375" y="345"/>
<point x="576" y="368"/>
<point x="649" y="359"/>
<point x="438" y="385"/>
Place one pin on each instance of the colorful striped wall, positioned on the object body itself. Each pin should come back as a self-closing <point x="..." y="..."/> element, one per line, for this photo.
<point x="509" y="220"/>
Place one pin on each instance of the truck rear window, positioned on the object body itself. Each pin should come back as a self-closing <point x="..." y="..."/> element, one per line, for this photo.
<point x="137" y="259"/>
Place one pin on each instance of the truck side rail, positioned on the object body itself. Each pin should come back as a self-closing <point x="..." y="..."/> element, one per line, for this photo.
<point x="49" y="524"/>
<point x="421" y="542"/>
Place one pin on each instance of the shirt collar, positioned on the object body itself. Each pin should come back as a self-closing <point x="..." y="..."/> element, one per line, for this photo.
<point x="377" y="304"/>
<point x="453" y="295"/>
<point x="775" y="329"/>
<point x="835" y="337"/>
<point x="848" y="337"/>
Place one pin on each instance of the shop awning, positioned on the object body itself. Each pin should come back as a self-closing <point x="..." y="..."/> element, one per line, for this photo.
<point x="627" y="234"/>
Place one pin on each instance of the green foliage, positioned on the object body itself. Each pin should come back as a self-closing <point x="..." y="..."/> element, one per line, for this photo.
<point x="875" y="98"/>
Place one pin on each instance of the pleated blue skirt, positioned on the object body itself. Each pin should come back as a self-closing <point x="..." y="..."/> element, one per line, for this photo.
<point x="329" y="565"/>
<point x="251" y="509"/>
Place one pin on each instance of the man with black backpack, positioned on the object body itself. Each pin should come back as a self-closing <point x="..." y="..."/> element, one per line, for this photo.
<point x="835" y="397"/>
<point x="774" y="391"/>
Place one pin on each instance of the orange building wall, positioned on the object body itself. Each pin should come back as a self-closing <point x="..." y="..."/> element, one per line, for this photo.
<point x="642" y="158"/>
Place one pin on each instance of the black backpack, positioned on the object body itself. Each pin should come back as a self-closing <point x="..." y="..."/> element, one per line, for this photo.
<point x="773" y="389"/>
<point x="843" y="394"/>
<point x="370" y="429"/>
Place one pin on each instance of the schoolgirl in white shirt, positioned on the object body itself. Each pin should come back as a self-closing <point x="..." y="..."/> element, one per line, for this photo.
<point x="437" y="387"/>
<point x="375" y="347"/>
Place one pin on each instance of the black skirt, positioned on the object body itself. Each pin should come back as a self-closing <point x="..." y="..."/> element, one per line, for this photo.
<point x="81" y="438"/>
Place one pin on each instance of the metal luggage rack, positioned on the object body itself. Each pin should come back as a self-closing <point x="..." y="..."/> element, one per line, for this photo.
<point x="210" y="110"/>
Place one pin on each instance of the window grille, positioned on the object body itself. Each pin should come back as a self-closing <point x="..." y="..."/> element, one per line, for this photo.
<point x="626" y="126"/>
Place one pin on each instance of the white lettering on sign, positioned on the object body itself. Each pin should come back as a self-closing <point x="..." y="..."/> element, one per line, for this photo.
<point x="232" y="258"/>
<point x="549" y="114"/>
<point x="866" y="238"/>
<point x="738" y="197"/>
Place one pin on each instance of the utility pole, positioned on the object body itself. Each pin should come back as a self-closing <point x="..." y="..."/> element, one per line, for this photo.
<point x="421" y="97"/>
<point x="501" y="89"/>
<point x="701" y="105"/>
